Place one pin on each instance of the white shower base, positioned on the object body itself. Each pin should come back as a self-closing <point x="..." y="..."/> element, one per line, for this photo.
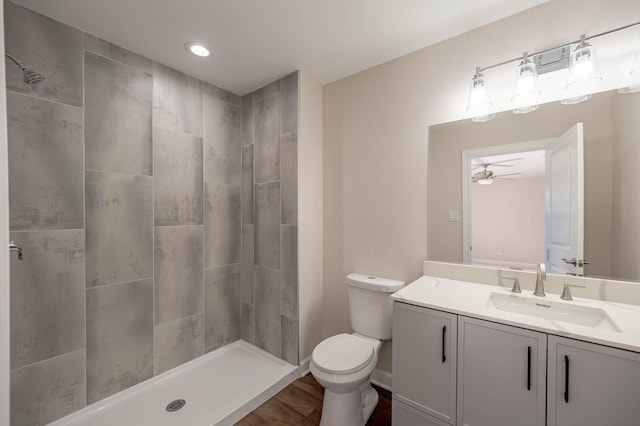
<point x="219" y="388"/>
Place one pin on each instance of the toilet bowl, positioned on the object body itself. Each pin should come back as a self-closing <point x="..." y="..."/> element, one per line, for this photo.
<point x="343" y="364"/>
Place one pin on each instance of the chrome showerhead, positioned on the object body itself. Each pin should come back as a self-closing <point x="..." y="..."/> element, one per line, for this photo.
<point x="30" y="77"/>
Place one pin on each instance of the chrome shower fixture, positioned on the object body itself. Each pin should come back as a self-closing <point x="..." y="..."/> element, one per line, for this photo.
<point x="29" y="76"/>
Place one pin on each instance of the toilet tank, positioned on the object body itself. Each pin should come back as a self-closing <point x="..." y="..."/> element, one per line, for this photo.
<point x="370" y="304"/>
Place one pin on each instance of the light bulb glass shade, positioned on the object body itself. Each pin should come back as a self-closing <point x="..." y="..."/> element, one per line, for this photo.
<point x="479" y="100"/>
<point x="575" y="100"/>
<point x="485" y="181"/>
<point x="483" y="118"/>
<point x="526" y="109"/>
<point x="635" y="65"/>
<point x="527" y="86"/>
<point x="583" y="69"/>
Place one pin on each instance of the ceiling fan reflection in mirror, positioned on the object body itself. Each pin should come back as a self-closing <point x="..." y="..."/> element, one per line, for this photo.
<point x="486" y="176"/>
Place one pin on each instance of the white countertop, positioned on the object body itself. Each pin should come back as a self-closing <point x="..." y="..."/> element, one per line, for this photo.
<point x="471" y="299"/>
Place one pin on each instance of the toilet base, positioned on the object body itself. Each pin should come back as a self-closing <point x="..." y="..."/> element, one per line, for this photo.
<point x="349" y="409"/>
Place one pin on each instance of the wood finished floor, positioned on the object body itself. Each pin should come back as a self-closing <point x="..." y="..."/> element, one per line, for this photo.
<point x="300" y="403"/>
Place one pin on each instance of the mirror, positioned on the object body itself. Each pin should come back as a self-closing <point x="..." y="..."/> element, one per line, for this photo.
<point x="611" y="141"/>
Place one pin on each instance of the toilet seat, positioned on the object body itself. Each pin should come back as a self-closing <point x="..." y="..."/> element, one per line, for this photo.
<point x="343" y="354"/>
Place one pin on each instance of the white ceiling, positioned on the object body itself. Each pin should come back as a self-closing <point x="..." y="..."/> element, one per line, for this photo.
<point x="258" y="41"/>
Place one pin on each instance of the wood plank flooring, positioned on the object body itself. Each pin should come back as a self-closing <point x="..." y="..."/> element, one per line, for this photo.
<point x="300" y="404"/>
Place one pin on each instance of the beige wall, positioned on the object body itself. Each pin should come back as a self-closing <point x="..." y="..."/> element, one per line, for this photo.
<point x="626" y="202"/>
<point x="508" y="221"/>
<point x="310" y="233"/>
<point x="376" y="138"/>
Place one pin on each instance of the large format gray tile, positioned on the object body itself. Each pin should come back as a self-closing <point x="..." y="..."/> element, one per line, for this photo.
<point x="289" y="177"/>
<point x="177" y="100"/>
<point x="119" y="230"/>
<point x="247" y="263"/>
<point x="247" y="184"/>
<point x="117" y="53"/>
<point x="47" y="295"/>
<point x="248" y="325"/>
<point x="289" y="113"/>
<point x="45" y="164"/>
<point x="178" y="272"/>
<point x="289" y="271"/>
<point x="222" y="315"/>
<point x="221" y="225"/>
<point x="45" y="391"/>
<point x="247" y="119"/>
<point x="177" y="178"/>
<point x="177" y="342"/>
<point x="117" y="117"/>
<point x="119" y="337"/>
<point x="268" y="90"/>
<point x="49" y="48"/>
<point x="267" y="310"/>
<point x="289" y="340"/>
<point x="266" y="117"/>
<point x="267" y="225"/>
<point x="221" y="94"/>
<point x="222" y="144"/>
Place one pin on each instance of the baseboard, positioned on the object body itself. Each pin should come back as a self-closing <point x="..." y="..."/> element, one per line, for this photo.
<point x="381" y="378"/>
<point x="303" y="368"/>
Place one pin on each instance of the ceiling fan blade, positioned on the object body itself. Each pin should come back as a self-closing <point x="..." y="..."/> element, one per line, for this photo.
<point x="501" y="178"/>
<point x="504" y="161"/>
<point x="507" y="174"/>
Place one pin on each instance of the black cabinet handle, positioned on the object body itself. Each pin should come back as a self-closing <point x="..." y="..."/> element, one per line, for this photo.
<point x="529" y="368"/>
<point x="566" y="379"/>
<point x="444" y="334"/>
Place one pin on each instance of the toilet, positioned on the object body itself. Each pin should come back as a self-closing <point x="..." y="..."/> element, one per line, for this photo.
<point x="343" y="364"/>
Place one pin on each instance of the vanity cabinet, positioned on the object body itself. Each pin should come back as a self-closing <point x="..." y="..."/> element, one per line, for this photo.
<point x="501" y="374"/>
<point x="424" y="364"/>
<point x="592" y="385"/>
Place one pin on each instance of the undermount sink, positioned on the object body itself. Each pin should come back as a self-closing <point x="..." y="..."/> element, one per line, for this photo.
<point x="552" y="310"/>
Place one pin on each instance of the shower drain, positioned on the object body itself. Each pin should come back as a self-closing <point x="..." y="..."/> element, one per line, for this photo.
<point x="176" y="405"/>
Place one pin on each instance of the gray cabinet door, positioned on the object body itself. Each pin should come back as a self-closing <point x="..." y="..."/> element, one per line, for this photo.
<point x="424" y="360"/>
<point x="403" y="415"/>
<point x="601" y="386"/>
<point x="501" y="374"/>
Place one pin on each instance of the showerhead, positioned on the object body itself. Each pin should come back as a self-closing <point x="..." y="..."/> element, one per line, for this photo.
<point x="29" y="76"/>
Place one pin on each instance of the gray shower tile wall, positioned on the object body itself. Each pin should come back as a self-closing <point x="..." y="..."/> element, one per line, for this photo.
<point x="48" y="47"/>
<point x="117" y="93"/>
<point x="177" y="159"/>
<point x="270" y="217"/>
<point x="48" y="134"/>
<point x="118" y="224"/>
<point x="119" y="337"/>
<point x="178" y="272"/>
<point x="177" y="100"/>
<point x="126" y="285"/>
<point x="222" y="316"/>
<point x="117" y="286"/>
<point x="51" y="276"/>
<point x="47" y="390"/>
<point x="177" y="342"/>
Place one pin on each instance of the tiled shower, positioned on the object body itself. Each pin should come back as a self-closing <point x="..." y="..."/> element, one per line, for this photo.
<point x="158" y="216"/>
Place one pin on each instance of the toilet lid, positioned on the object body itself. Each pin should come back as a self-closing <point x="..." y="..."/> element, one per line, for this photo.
<point x="343" y="354"/>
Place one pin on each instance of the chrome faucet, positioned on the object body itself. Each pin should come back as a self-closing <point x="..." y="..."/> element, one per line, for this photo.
<point x="540" y="277"/>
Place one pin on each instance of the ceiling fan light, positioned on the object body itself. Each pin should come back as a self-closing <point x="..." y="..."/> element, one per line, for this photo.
<point x="485" y="181"/>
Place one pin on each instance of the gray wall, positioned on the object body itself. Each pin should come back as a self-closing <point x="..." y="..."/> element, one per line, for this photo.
<point x="126" y="180"/>
<point x="270" y="218"/>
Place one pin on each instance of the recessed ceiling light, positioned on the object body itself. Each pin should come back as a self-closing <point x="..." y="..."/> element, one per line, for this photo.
<point x="196" y="48"/>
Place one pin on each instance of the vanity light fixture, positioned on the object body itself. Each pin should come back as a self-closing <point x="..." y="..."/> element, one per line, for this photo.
<point x="196" y="49"/>
<point x="583" y="71"/>
<point x="479" y="100"/>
